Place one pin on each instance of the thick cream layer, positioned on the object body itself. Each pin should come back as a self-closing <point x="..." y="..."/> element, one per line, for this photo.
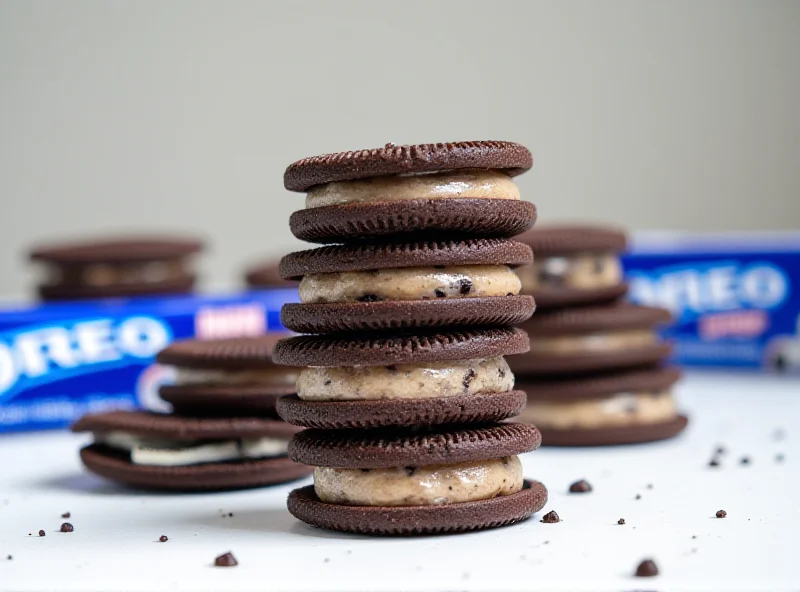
<point x="405" y="381"/>
<point x="272" y="376"/>
<point x="175" y="453"/>
<point x="412" y="283"/>
<point x="611" y="341"/>
<point x="450" y="184"/>
<point x="585" y="271"/>
<point x="419" y="486"/>
<point x="624" y="409"/>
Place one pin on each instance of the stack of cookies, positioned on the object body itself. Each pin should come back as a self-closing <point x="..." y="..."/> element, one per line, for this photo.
<point x="594" y="372"/>
<point x="223" y="432"/>
<point x="404" y="383"/>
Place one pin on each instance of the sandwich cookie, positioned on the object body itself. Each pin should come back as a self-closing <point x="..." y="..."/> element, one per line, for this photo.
<point x="170" y="452"/>
<point x="601" y="410"/>
<point x="401" y="482"/>
<point x="378" y="380"/>
<point x="450" y="189"/>
<point x="587" y="339"/>
<point x="267" y="275"/>
<point x="117" y="268"/>
<point x="226" y="377"/>
<point x="400" y="286"/>
<point x="574" y="265"/>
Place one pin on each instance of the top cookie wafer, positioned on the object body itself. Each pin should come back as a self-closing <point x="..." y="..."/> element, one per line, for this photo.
<point x="509" y="157"/>
<point x="129" y="250"/>
<point x="455" y="190"/>
<point x="567" y="240"/>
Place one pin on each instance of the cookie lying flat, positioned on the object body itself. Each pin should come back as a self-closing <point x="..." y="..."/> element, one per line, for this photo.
<point x="398" y="286"/>
<point x="226" y="377"/>
<point x="573" y="265"/>
<point x="267" y="275"/>
<point x="400" y="482"/>
<point x="116" y="267"/>
<point x="592" y="338"/>
<point x="170" y="452"/>
<point x="450" y="189"/>
<point x="606" y="409"/>
<point x="368" y="381"/>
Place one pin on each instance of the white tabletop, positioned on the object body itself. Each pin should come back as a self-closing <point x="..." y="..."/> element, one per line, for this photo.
<point x="114" y="546"/>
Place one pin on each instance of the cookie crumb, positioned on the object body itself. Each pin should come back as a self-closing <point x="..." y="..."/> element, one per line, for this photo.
<point x="646" y="569"/>
<point x="550" y="518"/>
<point x="230" y="514"/>
<point x="721" y="513"/>
<point x="9" y="558"/>
<point x="720" y="450"/>
<point x="41" y="533"/>
<point x="745" y="460"/>
<point x="694" y="536"/>
<point x="621" y="521"/>
<point x="581" y="486"/>
<point x="779" y="458"/>
<point x="67" y="527"/>
<point x="714" y="462"/>
<point x="66" y="515"/>
<point x="638" y="496"/>
<point x="779" y="434"/>
<point x="226" y="560"/>
<point x="649" y="486"/>
<point x="163" y="538"/>
<point x="327" y="560"/>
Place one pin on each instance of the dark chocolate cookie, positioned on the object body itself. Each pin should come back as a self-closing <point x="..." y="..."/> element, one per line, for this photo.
<point x="536" y="364"/>
<point x="417" y="218"/>
<point x="549" y="241"/>
<point x="639" y="434"/>
<point x="122" y="250"/>
<point x="548" y="297"/>
<point x="267" y="275"/>
<point x="378" y="349"/>
<point x="222" y="354"/>
<point x="473" y="409"/>
<point x="512" y="158"/>
<point x="341" y="258"/>
<point x="385" y="448"/>
<point x="591" y="319"/>
<point x="224" y="400"/>
<point x="418" y="520"/>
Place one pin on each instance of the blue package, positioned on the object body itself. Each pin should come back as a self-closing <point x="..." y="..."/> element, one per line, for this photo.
<point x="59" y="361"/>
<point x="735" y="297"/>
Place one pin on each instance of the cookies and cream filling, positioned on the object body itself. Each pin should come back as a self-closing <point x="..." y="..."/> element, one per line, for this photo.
<point x="410" y="283"/>
<point x="467" y="183"/>
<point x="584" y="271"/>
<point x="419" y="486"/>
<point x="277" y="376"/>
<point x="623" y="409"/>
<point x="164" y="452"/>
<point x="405" y="381"/>
<point x="108" y="274"/>
<point x="590" y="343"/>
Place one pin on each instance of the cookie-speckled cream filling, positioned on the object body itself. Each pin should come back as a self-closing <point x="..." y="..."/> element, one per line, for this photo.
<point x="163" y="452"/>
<point x="450" y="184"/>
<point x="411" y="283"/>
<point x="585" y="271"/>
<point x="611" y="341"/>
<point x="210" y="376"/>
<point x="419" y="486"/>
<point x="624" y="409"/>
<point x="405" y="381"/>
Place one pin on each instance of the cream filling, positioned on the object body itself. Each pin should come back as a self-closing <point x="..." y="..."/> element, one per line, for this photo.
<point x="593" y="342"/>
<point x="271" y="376"/>
<point x="466" y="183"/>
<point x="419" y="486"/>
<point x="175" y="453"/>
<point x="405" y="381"/>
<point x="584" y="271"/>
<point x="624" y="409"/>
<point x="411" y="283"/>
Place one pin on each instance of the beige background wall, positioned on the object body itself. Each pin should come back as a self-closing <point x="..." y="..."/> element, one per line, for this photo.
<point x="183" y="114"/>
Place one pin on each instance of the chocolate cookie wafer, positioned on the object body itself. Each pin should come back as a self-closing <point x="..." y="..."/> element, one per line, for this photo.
<point x="378" y="380"/>
<point x="106" y="268"/>
<point x="226" y="377"/>
<point x="170" y="452"/>
<point x="267" y="275"/>
<point x="573" y="265"/>
<point x="455" y="189"/>
<point x="605" y="409"/>
<point x="398" y="482"/>
<point x="400" y="286"/>
<point x="592" y="338"/>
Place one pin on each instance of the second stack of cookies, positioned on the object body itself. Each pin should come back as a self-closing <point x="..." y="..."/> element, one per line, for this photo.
<point x="595" y="372"/>
<point x="404" y="378"/>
